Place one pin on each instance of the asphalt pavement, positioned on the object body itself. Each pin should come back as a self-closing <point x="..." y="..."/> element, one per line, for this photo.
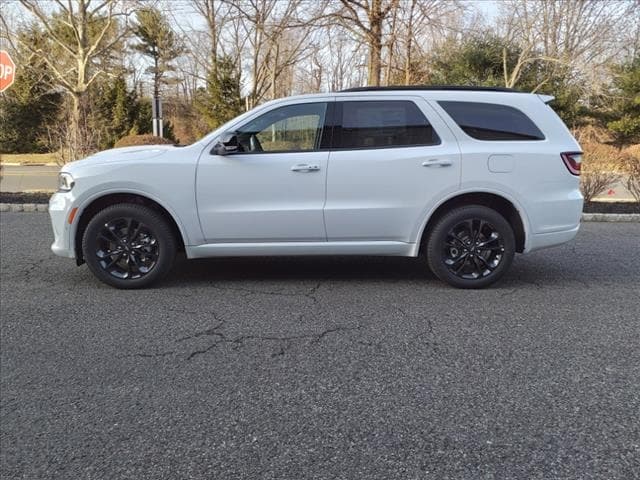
<point x="336" y="368"/>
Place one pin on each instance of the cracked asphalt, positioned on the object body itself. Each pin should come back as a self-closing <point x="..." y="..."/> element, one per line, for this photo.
<point x="336" y="368"/>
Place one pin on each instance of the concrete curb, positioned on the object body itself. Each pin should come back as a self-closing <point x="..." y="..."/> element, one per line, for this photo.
<point x="16" y="164"/>
<point x="586" y="217"/>
<point x="611" y="217"/>
<point x="24" y="207"/>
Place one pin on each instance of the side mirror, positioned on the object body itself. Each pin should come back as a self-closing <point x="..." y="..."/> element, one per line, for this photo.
<point x="228" y="143"/>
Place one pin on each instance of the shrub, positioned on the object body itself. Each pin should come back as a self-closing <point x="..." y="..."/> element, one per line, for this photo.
<point x="133" y="140"/>
<point x="601" y="167"/>
<point x="589" y="133"/>
<point x="632" y="170"/>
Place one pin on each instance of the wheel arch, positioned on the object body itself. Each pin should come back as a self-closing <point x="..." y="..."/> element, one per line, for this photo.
<point x="101" y="202"/>
<point x="497" y="202"/>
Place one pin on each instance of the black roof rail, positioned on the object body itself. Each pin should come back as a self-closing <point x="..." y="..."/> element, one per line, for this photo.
<point x="431" y="87"/>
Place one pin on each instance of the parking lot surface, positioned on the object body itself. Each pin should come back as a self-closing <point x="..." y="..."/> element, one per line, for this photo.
<point x="341" y="368"/>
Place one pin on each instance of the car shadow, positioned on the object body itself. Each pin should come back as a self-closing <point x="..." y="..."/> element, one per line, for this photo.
<point x="538" y="270"/>
<point x="298" y="268"/>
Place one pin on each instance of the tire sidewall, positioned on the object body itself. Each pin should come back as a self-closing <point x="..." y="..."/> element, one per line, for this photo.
<point x="156" y="224"/>
<point x="438" y="235"/>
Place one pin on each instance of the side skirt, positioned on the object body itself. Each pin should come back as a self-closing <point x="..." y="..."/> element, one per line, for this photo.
<point x="396" y="249"/>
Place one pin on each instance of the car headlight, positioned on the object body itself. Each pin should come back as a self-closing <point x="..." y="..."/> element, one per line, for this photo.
<point x="65" y="182"/>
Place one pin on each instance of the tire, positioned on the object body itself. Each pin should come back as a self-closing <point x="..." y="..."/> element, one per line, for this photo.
<point x="129" y="246"/>
<point x="479" y="263"/>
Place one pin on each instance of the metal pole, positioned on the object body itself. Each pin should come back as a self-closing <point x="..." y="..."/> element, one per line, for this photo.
<point x="156" y="108"/>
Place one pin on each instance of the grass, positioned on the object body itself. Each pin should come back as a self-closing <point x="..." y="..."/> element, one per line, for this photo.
<point x="29" y="158"/>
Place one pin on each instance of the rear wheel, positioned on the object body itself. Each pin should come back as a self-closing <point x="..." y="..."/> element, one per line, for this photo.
<point x="129" y="246"/>
<point x="471" y="247"/>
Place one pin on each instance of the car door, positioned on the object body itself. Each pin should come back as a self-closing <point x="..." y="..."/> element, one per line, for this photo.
<point x="273" y="188"/>
<point x="392" y="160"/>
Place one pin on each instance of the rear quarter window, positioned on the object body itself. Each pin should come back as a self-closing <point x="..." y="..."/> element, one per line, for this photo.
<point x="492" y="121"/>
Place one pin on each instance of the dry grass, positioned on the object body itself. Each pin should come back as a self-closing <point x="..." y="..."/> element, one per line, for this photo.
<point x="135" y="140"/>
<point x="601" y="168"/>
<point x="588" y="134"/>
<point x="631" y="165"/>
<point x="29" y="158"/>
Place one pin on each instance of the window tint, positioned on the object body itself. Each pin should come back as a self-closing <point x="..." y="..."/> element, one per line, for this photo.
<point x="375" y="124"/>
<point x="489" y="121"/>
<point x="294" y="128"/>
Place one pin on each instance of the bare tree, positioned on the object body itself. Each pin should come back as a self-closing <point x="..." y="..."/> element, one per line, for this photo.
<point x="80" y="36"/>
<point x="577" y="37"/>
<point x="366" y="20"/>
<point x="271" y="46"/>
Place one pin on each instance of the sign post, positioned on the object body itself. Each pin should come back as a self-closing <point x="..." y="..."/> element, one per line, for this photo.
<point x="7" y="70"/>
<point x="156" y="111"/>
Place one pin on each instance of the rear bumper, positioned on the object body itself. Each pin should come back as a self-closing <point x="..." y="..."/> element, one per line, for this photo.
<point x="554" y="219"/>
<point x="545" y="240"/>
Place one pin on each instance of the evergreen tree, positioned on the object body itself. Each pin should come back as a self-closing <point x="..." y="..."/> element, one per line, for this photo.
<point x="27" y="108"/>
<point x="221" y="100"/>
<point x="115" y="111"/>
<point x="159" y="42"/>
<point x="480" y="61"/>
<point x="624" y="111"/>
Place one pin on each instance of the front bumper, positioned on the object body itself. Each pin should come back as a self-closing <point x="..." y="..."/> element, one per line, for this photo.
<point x="60" y="206"/>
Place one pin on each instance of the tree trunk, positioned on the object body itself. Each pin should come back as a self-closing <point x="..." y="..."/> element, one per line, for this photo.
<point x="375" y="57"/>
<point x="375" y="42"/>
<point x="407" y="63"/>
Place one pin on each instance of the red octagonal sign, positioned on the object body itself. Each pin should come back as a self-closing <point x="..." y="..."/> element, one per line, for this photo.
<point x="7" y="70"/>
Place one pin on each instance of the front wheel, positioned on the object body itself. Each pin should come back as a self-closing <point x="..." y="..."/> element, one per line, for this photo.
<point x="470" y="247"/>
<point x="129" y="246"/>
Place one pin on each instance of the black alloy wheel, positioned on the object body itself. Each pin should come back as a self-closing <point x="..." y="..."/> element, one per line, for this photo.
<point x="473" y="249"/>
<point x="126" y="248"/>
<point x="129" y="246"/>
<point x="470" y="247"/>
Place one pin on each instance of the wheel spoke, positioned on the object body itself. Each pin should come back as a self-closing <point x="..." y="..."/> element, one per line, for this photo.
<point x="485" y="263"/>
<point x="126" y="248"/>
<point x="457" y="238"/>
<point x="136" y="231"/>
<point x="482" y="248"/>
<point x="497" y="248"/>
<point x="114" y="259"/>
<point x="465" y="257"/>
<point x="479" y="231"/>
<point x="478" y="268"/>
<point x="151" y="255"/>
<point x="136" y="263"/>
<point x="494" y="237"/>
<point x="108" y="253"/>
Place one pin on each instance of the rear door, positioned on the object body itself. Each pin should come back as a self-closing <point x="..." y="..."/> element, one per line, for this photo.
<point x="392" y="159"/>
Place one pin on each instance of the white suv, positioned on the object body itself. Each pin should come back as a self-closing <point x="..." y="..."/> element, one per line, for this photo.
<point x="464" y="176"/>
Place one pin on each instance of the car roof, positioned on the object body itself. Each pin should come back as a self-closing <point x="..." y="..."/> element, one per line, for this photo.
<point x="443" y="92"/>
<point x="431" y="88"/>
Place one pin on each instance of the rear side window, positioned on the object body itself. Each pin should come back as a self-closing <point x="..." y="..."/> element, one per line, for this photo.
<point x="380" y="124"/>
<point x="490" y="121"/>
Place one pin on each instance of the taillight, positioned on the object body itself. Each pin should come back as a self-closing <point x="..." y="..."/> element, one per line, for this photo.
<point x="573" y="161"/>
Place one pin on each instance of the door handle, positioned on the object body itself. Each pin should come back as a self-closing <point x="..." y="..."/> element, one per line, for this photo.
<point x="303" y="167"/>
<point x="435" y="162"/>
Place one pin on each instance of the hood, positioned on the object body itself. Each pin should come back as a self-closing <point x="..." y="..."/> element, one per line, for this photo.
<point x="123" y="154"/>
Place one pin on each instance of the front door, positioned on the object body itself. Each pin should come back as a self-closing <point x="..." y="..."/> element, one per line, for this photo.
<point x="273" y="188"/>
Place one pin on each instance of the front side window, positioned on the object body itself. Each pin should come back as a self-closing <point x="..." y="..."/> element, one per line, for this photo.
<point x="380" y="124"/>
<point x="490" y="121"/>
<point x="293" y="128"/>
